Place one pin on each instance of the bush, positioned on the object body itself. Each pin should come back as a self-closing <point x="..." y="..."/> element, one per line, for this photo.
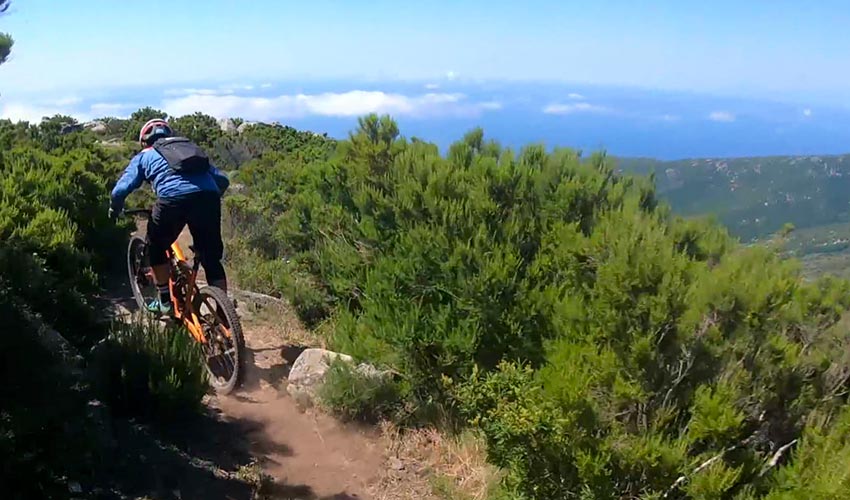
<point x="353" y="394"/>
<point x="605" y="348"/>
<point x="145" y="370"/>
<point x="46" y="437"/>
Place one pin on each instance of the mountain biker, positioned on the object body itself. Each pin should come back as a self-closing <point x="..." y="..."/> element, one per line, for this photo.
<point x="183" y="197"/>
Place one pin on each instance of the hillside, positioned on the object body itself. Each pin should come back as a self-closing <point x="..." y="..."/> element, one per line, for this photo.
<point x="754" y="197"/>
<point x="538" y="301"/>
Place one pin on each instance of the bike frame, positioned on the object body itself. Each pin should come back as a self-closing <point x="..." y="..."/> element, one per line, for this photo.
<point x="193" y="324"/>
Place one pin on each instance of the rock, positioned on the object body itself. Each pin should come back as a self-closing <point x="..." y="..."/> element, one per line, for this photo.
<point x="308" y="371"/>
<point x="244" y="126"/>
<point x="227" y="125"/>
<point x="112" y="143"/>
<point x="97" y="126"/>
<point x="70" y="127"/>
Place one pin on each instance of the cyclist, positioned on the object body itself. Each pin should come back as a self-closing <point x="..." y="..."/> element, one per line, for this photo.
<point x="184" y="196"/>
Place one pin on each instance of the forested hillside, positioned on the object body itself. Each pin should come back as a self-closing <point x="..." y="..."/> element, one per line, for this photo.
<point x="755" y="197"/>
<point x="600" y="345"/>
<point x="604" y="347"/>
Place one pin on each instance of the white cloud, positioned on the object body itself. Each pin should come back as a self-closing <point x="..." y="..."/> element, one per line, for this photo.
<point x="491" y="105"/>
<point x="266" y="86"/>
<point x="807" y="112"/>
<point x="193" y="91"/>
<point x="575" y="97"/>
<point x="432" y="86"/>
<point x="230" y="87"/>
<point x="17" y="111"/>
<point x="579" y="107"/>
<point x="670" y="118"/>
<point x="66" y="101"/>
<point x="343" y="104"/>
<point x="721" y="116"/>
<point x="450" y="75"/>
<point x="116" y="109"/>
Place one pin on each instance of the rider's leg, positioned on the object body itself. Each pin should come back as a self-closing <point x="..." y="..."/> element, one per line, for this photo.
<point x="166" y="222"/>
<point x="205" y="226"/>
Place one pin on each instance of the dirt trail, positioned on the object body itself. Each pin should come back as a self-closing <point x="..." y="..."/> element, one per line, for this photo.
<point x="309" y="455"/>
<point x="325" y="458"/>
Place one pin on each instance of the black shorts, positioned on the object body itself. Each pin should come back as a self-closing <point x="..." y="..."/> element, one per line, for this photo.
<point x="202" y="212"/>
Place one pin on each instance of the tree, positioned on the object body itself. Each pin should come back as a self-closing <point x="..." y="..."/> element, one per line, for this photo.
<point x="6" y="41"/>
<point x="199" y="127"/>
<point x="138" y="118"/>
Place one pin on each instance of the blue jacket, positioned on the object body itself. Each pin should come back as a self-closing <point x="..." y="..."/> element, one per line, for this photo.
<point x="150" y="166"/>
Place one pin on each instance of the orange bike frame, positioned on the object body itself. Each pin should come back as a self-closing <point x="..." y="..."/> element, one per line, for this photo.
<point x="192" y="322"/>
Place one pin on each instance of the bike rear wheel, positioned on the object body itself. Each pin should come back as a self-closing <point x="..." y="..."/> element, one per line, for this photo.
<point x="225" y="353"/>
<point x="139" y="270"/>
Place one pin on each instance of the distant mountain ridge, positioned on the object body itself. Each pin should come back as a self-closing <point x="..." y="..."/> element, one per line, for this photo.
<point x="754" y="197"/>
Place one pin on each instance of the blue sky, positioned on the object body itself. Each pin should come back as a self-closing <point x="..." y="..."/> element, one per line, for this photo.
<point x="775" y="64"/>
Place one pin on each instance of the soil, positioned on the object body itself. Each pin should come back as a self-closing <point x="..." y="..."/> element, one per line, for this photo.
<point x="308" y="454"/>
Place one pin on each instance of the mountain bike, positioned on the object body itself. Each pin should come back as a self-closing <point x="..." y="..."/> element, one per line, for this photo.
<point x="206" y="312"/>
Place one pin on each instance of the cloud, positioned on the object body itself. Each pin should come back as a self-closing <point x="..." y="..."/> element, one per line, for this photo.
<point x="807" y="112"/>
<point x="721" y="116"/>
<point x="579" y="107"/>
<point x="490" y="105"/>
<point x="66" y="101"/>
<point x="18" y="111"/>
<point x="575" y="97"/>
<point x="331" y="104"/>
<point x="266" y="86"/>
<point x="193" y="91"/>
<point x="432" y="86"/>
<point x="670" y="118"/>
<point x="450" y="75"/>
<point x="116" y="109"/>
<point x="230" y="87"/>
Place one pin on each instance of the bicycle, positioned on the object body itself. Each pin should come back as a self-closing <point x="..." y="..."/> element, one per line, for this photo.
<point x="218" y="330"/>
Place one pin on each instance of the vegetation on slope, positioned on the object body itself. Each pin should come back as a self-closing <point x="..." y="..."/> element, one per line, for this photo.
<point x="605" y="347"/>
<point x="755" y="197"/>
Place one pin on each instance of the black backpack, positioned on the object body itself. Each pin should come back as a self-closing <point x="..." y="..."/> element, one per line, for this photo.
<point x="182" y="155"/>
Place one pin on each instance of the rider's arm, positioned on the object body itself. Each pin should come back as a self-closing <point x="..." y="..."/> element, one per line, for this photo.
<point x="132" y="178"/>
<point x="221" y="180"/>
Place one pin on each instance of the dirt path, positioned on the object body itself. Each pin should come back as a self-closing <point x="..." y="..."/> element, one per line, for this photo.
<point x="309" y="455"/>
<point x="323" y="457"/>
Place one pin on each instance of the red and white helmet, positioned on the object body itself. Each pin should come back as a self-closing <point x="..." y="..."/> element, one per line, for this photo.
<point x="154" y="128"/>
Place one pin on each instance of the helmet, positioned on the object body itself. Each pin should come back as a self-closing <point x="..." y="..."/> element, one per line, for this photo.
<point x="154" y="129"/>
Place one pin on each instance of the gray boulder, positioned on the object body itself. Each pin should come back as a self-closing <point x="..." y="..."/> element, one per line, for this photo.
<point x="98" y="127"/>
<point x="310" y="369"/>
<point x="244" y="126"/>
<point x="227" y="125"/>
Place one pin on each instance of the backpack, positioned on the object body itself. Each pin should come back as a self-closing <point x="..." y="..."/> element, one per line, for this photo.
<point x="183" y="155"/>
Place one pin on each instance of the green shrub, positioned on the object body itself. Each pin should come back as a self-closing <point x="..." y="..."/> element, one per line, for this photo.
<point x="352" y="394"/>
<point x="149" y="371"/>
<point x="46" y="436"/>
<point x="649" y="345"/>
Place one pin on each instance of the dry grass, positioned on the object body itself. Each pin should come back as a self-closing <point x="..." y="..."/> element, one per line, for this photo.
<point x="429" y="465"/>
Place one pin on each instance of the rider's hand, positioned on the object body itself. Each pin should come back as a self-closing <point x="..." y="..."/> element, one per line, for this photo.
<point x="114" y="214"/>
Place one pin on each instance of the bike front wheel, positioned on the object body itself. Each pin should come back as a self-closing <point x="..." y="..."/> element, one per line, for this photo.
<point x="139" y="270"/>
<point x="225" y="346"/>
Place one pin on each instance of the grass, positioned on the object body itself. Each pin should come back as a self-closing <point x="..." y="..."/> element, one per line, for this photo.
<point x="253" y="475"/>
<point x="353" y="395"/>
<point x="455" y="467"/>
<point x="149" y="371"/>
